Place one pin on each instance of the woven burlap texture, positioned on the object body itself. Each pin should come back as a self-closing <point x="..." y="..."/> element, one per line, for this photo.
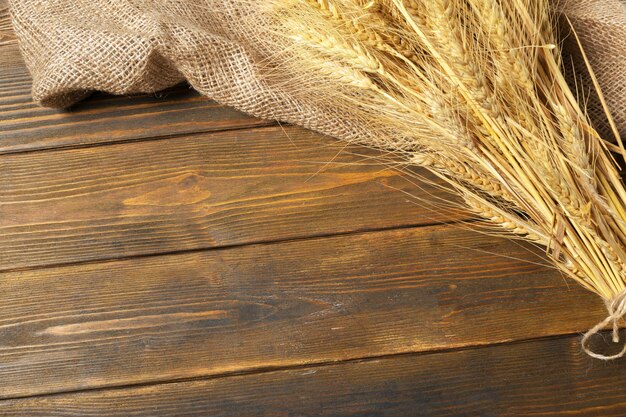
<point x="74" y="47"/>
<point x="601" y="27"/>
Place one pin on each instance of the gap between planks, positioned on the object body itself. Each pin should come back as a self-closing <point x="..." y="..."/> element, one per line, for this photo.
<point x="537" y="378"/>
<point x="469" y="220"/>
<point x="412" y="303"/>
<point x="60" y="148"/>
<point x="305" y="366"/>
<point x="205" y="191"/>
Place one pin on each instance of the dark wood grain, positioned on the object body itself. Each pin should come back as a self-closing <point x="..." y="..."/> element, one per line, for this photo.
<point x="7" y="36"/>
<point x="288" y="304"/>
<point x="102" y="118"/>
<point x="548" y="378"/>
<point x="195" y="192"/>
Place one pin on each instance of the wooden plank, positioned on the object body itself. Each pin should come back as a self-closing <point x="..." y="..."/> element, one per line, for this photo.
<point x="102" y="118"/>
<point x="275" y="305"/>
<point x="11" y="61"/>
<point x="7" y="36"/>
<point x="195" y="192"/>
<point x="540" y="378"/>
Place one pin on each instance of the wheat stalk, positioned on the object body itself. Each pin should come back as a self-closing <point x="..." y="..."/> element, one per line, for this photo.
<point x="473" y="91"/>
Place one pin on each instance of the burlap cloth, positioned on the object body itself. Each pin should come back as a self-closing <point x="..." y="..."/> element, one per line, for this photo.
<point x="74" y="47"/>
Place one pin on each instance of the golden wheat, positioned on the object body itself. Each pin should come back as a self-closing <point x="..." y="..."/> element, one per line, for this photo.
<point x="473" y="91"/>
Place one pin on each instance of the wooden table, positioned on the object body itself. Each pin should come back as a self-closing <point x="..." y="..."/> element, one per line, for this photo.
<point x="168" y="256"/>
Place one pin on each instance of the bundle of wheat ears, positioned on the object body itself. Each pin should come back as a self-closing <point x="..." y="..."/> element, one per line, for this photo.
<point x="472" y="90"/>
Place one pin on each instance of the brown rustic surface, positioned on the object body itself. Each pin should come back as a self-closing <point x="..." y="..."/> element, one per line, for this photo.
<point x="167" y="256"/>
<point x="547" y="378"/>
<point x="193" y="192"/>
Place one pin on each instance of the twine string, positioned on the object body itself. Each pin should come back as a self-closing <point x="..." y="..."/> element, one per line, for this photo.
<point x="617" y="310"/>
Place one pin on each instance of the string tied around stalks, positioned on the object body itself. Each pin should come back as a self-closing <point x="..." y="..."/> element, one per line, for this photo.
<point x="617" y="310"/>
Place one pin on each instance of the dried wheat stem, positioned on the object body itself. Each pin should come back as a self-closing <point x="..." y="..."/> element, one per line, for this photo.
<point x="473" y="91"/>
